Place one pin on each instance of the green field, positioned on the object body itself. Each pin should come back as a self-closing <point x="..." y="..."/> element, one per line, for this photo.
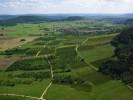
<point x="35" y="89"/>
<point x="62" y="64"/>
<point x="97" y="53"/>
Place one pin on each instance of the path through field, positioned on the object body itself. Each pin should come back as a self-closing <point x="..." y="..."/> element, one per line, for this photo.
<point x="52" y="75"/>
<point x="45" y="91"/>
<point x="38" y="53"/>
<point x="43" y="95"/>
<point x="77" y="46"/>
<point x="92" y="66"/>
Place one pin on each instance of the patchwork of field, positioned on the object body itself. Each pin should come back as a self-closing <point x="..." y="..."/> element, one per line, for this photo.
<point x="20" y="30"/>
<point x="57" y="66"/>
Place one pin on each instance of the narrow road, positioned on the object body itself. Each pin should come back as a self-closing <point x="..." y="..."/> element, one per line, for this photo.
<point x="51" y="70"/>
<point x="47" y="88"/>
<point x="30" y="97"/>
<point x="93" y="67"/>
<point x="84" y="41"/>
<point x="77" y="46"/>
<point x="45" y="91"/>
<point x="52" y="75"/>
<point x="38" y="53"/>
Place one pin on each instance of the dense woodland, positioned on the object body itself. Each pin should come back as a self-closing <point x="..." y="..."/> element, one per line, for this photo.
<point x="121" y="66"/>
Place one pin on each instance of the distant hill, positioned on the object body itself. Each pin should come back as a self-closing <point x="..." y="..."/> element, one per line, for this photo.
<point x="128" y="15"/>
<point x="74" y="18"/>
<point x="23" y="19"/>
<point x="37" y="19"/>
<point x="9" y="20"/>
<point x="2" y="17"/>
<point x="129" y="21"/>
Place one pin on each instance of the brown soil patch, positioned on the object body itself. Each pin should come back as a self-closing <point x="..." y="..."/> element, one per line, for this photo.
<point x="9" y="43"/>
<point x="6" y="62"/>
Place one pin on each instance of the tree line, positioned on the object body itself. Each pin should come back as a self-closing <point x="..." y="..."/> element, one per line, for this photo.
<point x="121" y="65"/>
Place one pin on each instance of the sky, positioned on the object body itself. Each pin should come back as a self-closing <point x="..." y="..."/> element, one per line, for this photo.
<point x="65" y="6"/>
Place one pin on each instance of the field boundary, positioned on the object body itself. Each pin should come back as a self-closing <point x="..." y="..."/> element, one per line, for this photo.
<point x="31" y="97"/>
<point x="78" y="53"/>
<point x="50" y="84"/>
<point x="92" y="66"/>
<point x="24" y="96"/>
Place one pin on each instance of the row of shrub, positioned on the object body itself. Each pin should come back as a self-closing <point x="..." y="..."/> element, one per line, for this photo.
<point x="66" y="51"/>
<point x="66" y="59"/>
<point x="73" y="81"/>
<point x="17" y="51"/>
<point x="13" y="82"/>
<point x="36" y="75"/>
<point x="67" y="79"/>
<point x="29" y="64"/>
<point x="48" y="38"/>
<point x="28" y="51"/>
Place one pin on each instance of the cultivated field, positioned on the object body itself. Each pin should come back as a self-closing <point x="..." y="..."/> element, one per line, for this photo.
<point x="56" y="65"/>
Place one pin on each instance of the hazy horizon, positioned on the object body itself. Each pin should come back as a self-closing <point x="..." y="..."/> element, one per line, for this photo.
<point x="15" y="7"/>
<point x="68" y="14"/>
